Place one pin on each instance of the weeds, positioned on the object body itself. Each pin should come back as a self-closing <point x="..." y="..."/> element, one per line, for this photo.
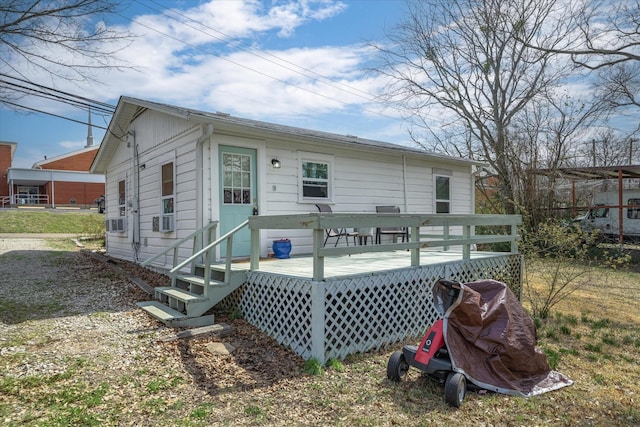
<point x="313" y="367"/>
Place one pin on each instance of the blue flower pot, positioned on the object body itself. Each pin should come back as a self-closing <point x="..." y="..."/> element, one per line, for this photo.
<point x="281" y="248"/>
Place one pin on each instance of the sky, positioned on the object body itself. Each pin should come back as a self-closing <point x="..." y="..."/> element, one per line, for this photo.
<point x="299" y="63"/>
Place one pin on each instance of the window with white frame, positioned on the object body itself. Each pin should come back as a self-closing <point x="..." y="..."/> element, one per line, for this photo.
<point x="443" y="194"/>
<point x="167" y="197"/>
<point x="315" y="177"/>
<point x="122" y="197"/>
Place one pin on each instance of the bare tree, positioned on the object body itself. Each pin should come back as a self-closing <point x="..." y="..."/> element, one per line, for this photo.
<point x="465" y="57"/>
<point x="602" y="36"/>
<point x="64" y="38"/>
<point x="598" y="33"/>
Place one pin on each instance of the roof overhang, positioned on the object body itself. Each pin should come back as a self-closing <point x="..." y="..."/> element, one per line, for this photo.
<point x="589" y="173"/>
<point x="18" y="176"/>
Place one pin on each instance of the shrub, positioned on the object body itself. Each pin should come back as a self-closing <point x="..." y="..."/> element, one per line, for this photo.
<point x="558" y="258"/>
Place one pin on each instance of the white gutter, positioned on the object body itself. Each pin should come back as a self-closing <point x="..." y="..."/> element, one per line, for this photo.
<point x="405" y="189"/>
<point x="201" y="188"/>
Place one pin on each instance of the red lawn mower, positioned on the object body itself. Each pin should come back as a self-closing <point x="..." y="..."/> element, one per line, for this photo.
<point x="432" y="355"/>
<point x="484" y="339"/>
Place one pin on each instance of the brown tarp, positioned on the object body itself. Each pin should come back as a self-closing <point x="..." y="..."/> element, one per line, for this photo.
<point x="492" y="341"/>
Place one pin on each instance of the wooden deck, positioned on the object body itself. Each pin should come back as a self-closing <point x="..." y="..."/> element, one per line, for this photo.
<point x="357" y="264"/>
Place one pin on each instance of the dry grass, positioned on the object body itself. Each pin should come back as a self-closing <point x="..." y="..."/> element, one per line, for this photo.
<point x="593" y="338"/>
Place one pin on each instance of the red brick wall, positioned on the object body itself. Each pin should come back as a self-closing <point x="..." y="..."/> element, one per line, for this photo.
<point x="79" y="162"/>
<point x="5" y="163"/>
<point x="83" y="193"/>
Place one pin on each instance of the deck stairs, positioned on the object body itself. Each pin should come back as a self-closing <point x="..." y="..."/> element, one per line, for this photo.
<point x="196" y="284"/>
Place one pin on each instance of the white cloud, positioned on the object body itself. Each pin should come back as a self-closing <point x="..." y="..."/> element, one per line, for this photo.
<point x="72" y="145"/>
<point x="178" y="57"/>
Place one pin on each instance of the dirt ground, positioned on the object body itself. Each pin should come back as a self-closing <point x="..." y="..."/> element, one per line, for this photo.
<point x="76" y="350"/>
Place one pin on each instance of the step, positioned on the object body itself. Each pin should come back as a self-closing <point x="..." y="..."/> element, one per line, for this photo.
<point x="199" y="281"/>
<point x="173" y="318"/>
<point x="196" y="280"/>
<point x="180" y="294"/>
<point x="160" y="311"/>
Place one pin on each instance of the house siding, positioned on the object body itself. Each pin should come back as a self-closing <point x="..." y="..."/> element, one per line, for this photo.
<point x="160" y="139"/>
<point x="362" y="179"/>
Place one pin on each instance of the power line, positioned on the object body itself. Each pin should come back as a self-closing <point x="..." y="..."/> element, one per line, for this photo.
<point x="246" y="67"/>
<point x="52" y="114"/>
<point x="35" y="89"/>
<point x="260" y="53"/>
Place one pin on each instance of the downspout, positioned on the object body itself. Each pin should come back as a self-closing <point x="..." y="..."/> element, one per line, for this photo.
<point x="135" y="208"/>
<point x="474" y="175"/>
<point x="53" y="192"/>
<point x="201" y="188"/>
<point x="404" y="184"/>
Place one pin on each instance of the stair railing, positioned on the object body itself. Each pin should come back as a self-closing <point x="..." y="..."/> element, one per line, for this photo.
<point x="197" y="242"/>
<point x="207" y="251"/>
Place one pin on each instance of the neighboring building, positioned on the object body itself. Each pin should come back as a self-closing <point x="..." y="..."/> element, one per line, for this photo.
<point x="171" y="170"/>
<point x="60" y="181"/>
<point x="7" y="151"/>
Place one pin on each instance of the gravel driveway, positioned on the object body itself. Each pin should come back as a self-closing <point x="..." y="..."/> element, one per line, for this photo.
<point x="76" y="350"/>
<point x="58" y="306"/>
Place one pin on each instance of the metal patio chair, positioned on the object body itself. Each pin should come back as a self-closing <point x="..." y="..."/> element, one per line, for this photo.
<point x="335" y="232"/>
<point x="394" y="231"/>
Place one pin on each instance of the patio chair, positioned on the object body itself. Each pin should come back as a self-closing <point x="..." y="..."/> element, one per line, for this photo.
<point x="394" y="231"/>
<point x="335" y="232"/>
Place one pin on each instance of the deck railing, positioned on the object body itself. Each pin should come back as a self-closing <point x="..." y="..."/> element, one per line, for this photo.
<point x="445" y="230"/>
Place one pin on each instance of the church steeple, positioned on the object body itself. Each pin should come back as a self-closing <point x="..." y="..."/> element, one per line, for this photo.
<point x="89" y="132"/>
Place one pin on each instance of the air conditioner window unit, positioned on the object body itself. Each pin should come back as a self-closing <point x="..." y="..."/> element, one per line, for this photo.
<point x="166" y="223"/>
<point x="117" y="225"/>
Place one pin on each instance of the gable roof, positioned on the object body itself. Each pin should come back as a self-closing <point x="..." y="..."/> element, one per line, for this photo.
<point x="129" y="109"/>
<point x="40" y="163"/>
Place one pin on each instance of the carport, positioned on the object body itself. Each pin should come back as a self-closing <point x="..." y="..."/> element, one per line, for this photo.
<point x="597" y="173"/>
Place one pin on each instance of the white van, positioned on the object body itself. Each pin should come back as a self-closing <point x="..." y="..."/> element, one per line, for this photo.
<point x="605" y="215"/>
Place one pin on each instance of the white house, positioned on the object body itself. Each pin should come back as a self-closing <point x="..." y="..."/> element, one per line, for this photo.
<point x="173" y="172"/>
<point x="170" y="170"/>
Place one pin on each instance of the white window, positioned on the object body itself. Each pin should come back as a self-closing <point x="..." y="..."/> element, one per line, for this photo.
<point x="315" y="183"/>
<point x="122" y="197"/>
<point x="443" y="194"/>
<point x="167" y="198"/>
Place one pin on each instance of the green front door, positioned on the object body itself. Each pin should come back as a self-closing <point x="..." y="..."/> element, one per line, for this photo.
<point x="238" y="195"/>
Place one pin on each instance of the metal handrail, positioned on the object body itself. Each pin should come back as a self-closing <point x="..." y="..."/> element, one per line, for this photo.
<point x="207" y="252"/>
<point x="179" y="243"/>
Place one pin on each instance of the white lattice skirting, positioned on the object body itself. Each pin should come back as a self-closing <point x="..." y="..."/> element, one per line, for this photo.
<point x="342" y="316"/>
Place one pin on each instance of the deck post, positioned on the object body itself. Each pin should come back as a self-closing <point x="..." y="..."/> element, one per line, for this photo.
<point x="415" y="252"/>
<point x="466" y="248"/>
<point x="255" y="249"/>
<point x="445" y="236"/>
<point x="318" y="260"/>
<point x="317" y="321"/>
<point x="514" y="241"/>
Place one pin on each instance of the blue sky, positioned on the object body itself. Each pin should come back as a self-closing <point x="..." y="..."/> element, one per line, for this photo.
<point x="299" y="63"/>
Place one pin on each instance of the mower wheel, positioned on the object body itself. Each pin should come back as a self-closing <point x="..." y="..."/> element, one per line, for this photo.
<point x="397" y="367"/>
<point x="454" y="389"/>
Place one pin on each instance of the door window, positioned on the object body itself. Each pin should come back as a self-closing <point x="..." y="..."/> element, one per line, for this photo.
<point x="236" y="175"/>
